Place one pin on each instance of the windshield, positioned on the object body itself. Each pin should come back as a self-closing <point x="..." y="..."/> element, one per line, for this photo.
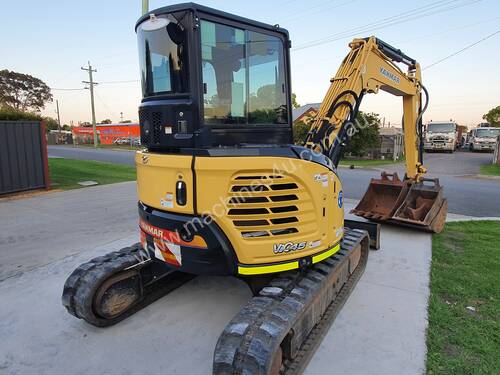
<point x="441" y="128"/>
<point x="243" y="76"/>
<point x="163" y="57"/>
<point x="487" y="133"/>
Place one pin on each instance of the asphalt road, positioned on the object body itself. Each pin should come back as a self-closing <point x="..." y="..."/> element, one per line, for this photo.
<point x="466" y="194"/>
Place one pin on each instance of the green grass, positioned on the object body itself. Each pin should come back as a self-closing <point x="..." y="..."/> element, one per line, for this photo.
<point x="367" y="163"/>
<point x="490" y="170"/>
<point x="465" y="273"/>
<point x="66" y="173"/>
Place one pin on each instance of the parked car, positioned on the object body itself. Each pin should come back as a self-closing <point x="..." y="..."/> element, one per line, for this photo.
<point x="483" y="139"/>
<point x="122" y="141"/>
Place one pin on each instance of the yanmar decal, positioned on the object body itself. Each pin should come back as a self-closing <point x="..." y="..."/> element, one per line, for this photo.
<point x="171" y="236"/>
<point x="391" y="76"/>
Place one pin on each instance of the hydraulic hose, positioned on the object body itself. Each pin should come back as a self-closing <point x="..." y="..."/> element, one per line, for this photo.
<point x="419" y="124"/>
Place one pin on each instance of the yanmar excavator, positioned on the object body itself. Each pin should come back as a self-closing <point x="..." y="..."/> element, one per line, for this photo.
<point x="224" y="191"/>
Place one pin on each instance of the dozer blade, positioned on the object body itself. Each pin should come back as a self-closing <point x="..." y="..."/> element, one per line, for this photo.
<point x="382" y="198"/>
<point x="418" y="205"/>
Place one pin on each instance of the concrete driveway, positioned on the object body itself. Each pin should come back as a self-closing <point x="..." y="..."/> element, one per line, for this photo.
<point x="381" y="329"/>
<point x="39" y="230"/>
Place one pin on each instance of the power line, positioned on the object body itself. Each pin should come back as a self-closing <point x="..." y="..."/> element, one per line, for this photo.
<point x="66" y="89"/>
<point x="460" y="27"/>
<point x="462" y="50"/>
<point x="115" y="82"/>
<point x="416" y="13"/>
<point x="396" y="17"/>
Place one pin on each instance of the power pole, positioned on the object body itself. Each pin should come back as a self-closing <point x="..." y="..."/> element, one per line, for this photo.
<point x="145" y="6"/>
<point x="91" y="84"/>
<point x="58" y="116"/>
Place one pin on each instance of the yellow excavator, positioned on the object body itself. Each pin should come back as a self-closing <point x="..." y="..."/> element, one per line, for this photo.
<point x="224" y="191"/>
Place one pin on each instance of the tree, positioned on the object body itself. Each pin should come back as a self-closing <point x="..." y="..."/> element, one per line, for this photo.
<point x="50" y="124"/>
<point x="300" y="130"/>
<point x="366" y="135"/>
<point x="126" y="122"/>
<point x="11" y="114"/>
<point x="294" y="101"/>
<point x="107" y="121"/>
<point x="22" y="91"/>
<point x="493" y="116"/>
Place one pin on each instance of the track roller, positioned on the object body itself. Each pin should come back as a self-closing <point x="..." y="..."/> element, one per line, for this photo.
<point x="278" y="331"/>
<point x="109" y="288"/>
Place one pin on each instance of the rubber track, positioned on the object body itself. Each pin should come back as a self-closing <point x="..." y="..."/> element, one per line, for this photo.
<point x="298" y="306"/>
<point x="82" y="284"/>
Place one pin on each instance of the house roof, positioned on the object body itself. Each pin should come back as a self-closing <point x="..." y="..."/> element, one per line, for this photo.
<point x="297" y="112"/>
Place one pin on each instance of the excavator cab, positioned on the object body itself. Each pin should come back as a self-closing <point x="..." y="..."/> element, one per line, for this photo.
<point x="212" y="79"/>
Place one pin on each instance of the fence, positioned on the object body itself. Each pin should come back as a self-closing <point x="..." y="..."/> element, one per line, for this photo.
<point x="23" y="156"/>
<point x="496" y="155"/>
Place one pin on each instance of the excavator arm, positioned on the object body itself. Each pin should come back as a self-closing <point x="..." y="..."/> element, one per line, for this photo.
<point x="370" y="66"/>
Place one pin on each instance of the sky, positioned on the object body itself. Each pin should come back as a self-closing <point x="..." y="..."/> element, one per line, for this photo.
<point x="53" y="39"/>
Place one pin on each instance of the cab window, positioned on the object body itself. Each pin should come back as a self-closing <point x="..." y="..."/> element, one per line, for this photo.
<point x="243" y="76"/>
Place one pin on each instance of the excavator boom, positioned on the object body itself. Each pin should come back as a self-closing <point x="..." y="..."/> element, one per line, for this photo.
<point x="370" y="66"/>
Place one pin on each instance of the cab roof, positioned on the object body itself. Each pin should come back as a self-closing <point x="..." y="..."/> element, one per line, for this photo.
<point x="204" y="9"/>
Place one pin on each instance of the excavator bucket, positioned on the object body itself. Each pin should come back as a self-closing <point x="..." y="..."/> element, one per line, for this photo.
<point x="419" y="205"/>
<point x="382" y="198"/>
<point x="424" y="206"/>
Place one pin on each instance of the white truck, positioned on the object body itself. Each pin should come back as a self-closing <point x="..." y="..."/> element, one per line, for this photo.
<point x="483" y="139"/>
<point x="441" y="136"/>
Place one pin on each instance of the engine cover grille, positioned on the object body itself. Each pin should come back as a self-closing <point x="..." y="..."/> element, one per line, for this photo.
<point x="266" y="204"/>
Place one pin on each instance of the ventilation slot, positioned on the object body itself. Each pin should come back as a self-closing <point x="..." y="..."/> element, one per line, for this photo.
<point x="257" y="177"/>
<point x="156" y="127"/>
<point x="250" y="188"/>
<point x="255" y="215"/>
<point x="280" y="232"/>
<point x="278" y="210"/>
<point x="145" y="126"/>
<point x="282" y="198"/>
<point x="250" y="223"/>
<point x="254" y="234"/>
<point x="284" y="220"/>
<point x="284" y="186"/>
<point x="247" y="211"/>
<point x="238" y="200"/>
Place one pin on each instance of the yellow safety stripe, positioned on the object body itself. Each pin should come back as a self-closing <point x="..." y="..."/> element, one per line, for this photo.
<point x="258" y="270"/>
<point x="326" y="254"/>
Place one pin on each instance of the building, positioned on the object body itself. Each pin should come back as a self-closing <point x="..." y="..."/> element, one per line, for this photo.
<point x="391" y="143"/>
<point x="107" y="134"/>
<point x="305" y="111"/>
